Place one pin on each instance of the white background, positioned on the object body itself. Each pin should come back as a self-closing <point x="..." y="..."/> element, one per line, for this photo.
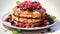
<point x="52" y="7"/>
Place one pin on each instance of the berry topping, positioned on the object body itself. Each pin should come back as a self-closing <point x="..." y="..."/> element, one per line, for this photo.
<point x="30" y="5"/>
<point x="24" y="9"/>
<point x="21" y="25"/>
<point x="30" y="8"/>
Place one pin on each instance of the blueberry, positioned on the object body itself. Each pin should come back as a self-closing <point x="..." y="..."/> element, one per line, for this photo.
<point x="51" y="21"/>
<point x="12" y="22"/>
<point x="24" y="9"/>
<point x="48" y="29"/>
<point x="30" y="8"/>
<point x="17" y="6"/>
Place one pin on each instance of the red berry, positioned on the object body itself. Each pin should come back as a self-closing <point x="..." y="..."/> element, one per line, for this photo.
<point x="21" y="25"/>
<point x="21" y="6"/>
<point x="14" y="24"/>
<point x="30" y="4"/>
<point x="38" y="3"/>
<point x="45" y="21"/>
<point x="35" y="5"/>
<point x="28" y="25"/>
<point x="10" y="17"/>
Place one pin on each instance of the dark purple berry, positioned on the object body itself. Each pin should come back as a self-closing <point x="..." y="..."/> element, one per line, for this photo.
<point x="48" y="29"/>
<point x="51" y="21"/>
<point x="12" y="22"/>
<point x="17" y="6"/>
<point x="30" y="8"/>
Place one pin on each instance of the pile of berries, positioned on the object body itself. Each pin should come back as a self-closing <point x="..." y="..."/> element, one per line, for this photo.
<point x="47" y="21"/>
<point x="30" y="5"/>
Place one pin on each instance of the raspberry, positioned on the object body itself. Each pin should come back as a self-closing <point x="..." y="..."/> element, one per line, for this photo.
<point x="28" y="25"/>
<point x="35" y="5"/>
<point x="21" y="25"/>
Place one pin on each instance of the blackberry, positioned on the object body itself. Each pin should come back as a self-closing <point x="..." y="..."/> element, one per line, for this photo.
<point x="17" y="6"/>
<point x="12" y="22"/>
<point x="30" y="8"/>
<point x="48" y="29"/>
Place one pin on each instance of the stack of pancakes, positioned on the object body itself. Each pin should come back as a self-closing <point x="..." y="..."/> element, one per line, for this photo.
<point x="28" y="16"/>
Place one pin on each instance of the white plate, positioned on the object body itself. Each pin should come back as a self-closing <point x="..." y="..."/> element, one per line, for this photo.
<point x="52" y="7"/>
<point x="35" y="28"/>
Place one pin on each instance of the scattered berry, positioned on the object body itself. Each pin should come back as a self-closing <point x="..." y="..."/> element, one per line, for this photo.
<point x="17" y="6"/>
<point x="28" y="25"/>
<point x="48" y="29"/>
<point x="45" y="21"/>
<point x="12" y="23"/>
<point x="51" y="22"/>
<point x="21" y="25"/>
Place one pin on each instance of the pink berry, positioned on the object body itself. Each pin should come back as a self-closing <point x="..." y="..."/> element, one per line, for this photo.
<point x="14" y="24"/>
<point x="10" y="17"/>
<point x="45" y="21"/>
<point x="35" y="5"/>
<point x="30" y="4"/>
<point x="38" y="3"/>
<point x="21" y="25"/>
<point x="28" y="25"/>
<point x="21" y="6"/>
